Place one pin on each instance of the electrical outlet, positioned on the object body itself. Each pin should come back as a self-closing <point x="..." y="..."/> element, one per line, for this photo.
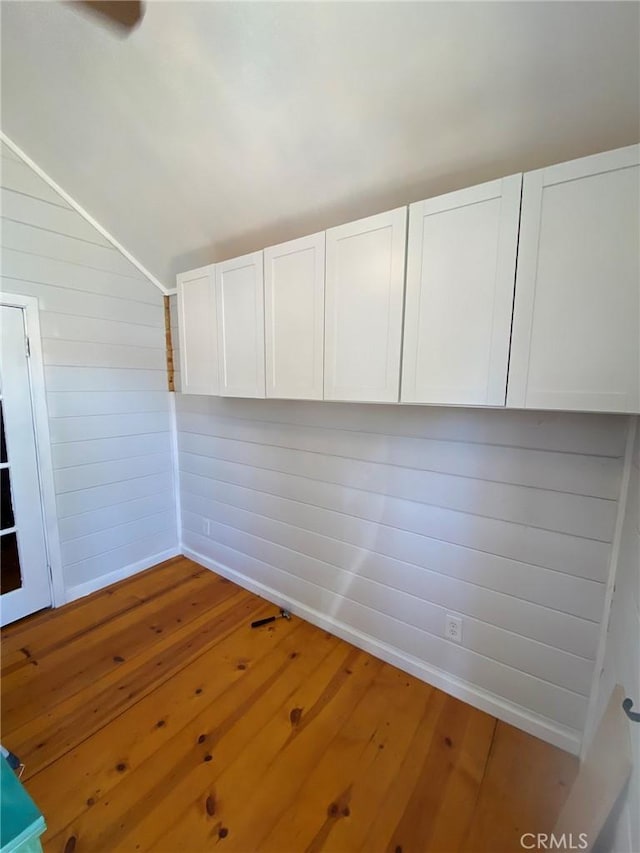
<point x="206" y="526"/>
<point x="453" y="628"/>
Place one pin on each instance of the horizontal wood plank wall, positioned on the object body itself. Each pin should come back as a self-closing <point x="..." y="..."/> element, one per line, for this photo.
<point x="105" y="371"/>
<point x="386" y="518"/>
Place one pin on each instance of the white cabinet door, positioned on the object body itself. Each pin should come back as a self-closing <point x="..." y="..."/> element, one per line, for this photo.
<point x="364" y="291"/>
<point x="576" y="326"/>
<point x="240" y="299"/>
<point x="198" y="329"/>
<point x="294" y="318"/>
<point x="461" y="268"/>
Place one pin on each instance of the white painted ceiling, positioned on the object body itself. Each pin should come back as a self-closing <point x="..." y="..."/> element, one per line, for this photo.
<point x="220" y="128"/>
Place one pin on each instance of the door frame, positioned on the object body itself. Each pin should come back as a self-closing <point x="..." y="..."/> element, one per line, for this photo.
<point x="31" y="308"/>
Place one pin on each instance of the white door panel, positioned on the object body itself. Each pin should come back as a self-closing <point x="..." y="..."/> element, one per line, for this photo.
<point x="576" y="329"/>
<point x="364" y="293"/>
<point x="461" y="263"/>
<point x="240" y="300"/>
<point x="198" y="331"/>
<point x="24" y="570"/>
<point x="294" y="318"/>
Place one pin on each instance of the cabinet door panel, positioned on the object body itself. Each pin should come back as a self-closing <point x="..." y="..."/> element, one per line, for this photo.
<point x="294" y="318"/>
<point x="576" y="332"/>
<point x="198" y="328"/>
<point x="460" y="278"/>
<point x="240" y="296"/>
<point x="363" y="308"/>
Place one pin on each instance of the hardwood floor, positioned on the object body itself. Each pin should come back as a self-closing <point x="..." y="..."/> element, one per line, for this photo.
<point x="150" y="716"/>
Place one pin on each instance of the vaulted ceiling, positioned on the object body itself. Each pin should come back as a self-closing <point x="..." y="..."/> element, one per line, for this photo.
<point x="219" y="128"/>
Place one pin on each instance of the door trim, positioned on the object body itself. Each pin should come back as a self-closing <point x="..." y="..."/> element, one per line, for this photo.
<point x="594" y="708"/>
<point x="30" y="306"/>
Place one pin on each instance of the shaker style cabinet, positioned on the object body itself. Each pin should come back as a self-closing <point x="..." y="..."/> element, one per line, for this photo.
<point x="332" y="324"/>
<point x="197" y="323"/>
<point x="240" y="309"/>
<point x="364" y="290"/>
<point x="294" y="318"/>
<point x="461" y="264"/>
<point x="576" y="326"/>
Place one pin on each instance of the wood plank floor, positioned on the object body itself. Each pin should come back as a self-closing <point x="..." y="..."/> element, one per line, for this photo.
<point x="151" y="717"/>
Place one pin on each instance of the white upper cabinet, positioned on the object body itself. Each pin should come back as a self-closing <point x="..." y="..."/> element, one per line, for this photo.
<point x="240" y="301"/>
<point x="325" y="318"/>
<point x="294" y="318"/>
<point x="461" y="265"/>
<point x="576" y="329"/>
<point x="363" y="308"/>
<point x="198" y="331"/>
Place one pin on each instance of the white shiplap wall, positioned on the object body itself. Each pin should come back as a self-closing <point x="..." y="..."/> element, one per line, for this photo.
<point x="102" y="329"/>
<point x="379" y="520"/>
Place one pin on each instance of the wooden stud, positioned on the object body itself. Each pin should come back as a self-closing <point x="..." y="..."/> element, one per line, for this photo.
<point x="169" y="344"/>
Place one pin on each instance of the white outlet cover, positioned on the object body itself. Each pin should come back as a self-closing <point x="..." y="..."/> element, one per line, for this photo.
<point x="453" y="627"/>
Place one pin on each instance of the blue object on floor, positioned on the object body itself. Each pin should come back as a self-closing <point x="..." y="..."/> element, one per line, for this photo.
<point x="21" y="823"/>
<point x="12" y="759"/>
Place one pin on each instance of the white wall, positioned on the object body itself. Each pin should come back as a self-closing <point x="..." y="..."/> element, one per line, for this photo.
<point x="622" y="655"/>
<point x="103" y="344"/>
<point x="378" y="520"/>
<point x="229" y="152"/>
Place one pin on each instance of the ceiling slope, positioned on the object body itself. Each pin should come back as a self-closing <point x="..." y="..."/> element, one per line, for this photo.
<point x="218" y="128"/>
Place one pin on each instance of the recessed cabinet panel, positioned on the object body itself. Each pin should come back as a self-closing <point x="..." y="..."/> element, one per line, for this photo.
<point x="576" y="332"/>
<point x="363" y="308"/>
<point x="460" y="277"/>
<point x="294" y="318"/>
<point x="240" y="300"/>
<point x="198" y="331"/>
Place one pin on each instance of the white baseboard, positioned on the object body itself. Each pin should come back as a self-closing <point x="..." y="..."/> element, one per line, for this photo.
<point x="560" y="736"/>
<point x="93" y="585"/>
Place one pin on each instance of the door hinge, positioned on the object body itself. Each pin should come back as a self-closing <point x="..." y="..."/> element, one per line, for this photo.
<point x="27" y="347"/>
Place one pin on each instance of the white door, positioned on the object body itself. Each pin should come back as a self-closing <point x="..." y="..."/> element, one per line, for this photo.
<point x="240" y="301"/>
<point x="461" y="267"/>
<point x="294" y="318"/>
<point x="198" y="331"/>
<point x="24" y="573"/>
<point x="576" y="324"/>
<point x="364" y="293"/>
